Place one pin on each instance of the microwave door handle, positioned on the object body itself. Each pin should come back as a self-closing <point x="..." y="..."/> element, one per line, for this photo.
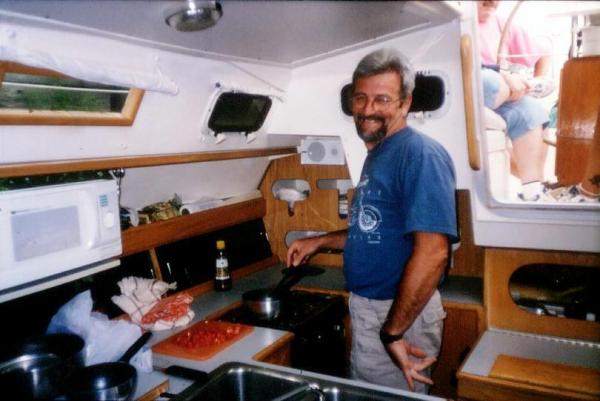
<point x="94" y="224"/>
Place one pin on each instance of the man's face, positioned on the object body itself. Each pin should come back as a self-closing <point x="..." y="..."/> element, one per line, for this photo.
<point x="377" y="108"/>
<point x="485" y="9"/>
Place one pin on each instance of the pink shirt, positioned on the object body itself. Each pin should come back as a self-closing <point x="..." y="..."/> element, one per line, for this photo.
<point x="518" y="41"/>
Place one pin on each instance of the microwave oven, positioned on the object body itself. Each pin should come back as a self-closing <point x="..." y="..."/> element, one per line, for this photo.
<point x="53" y="234"/>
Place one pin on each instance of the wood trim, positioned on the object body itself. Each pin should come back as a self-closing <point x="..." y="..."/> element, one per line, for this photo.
<point x="278" y="352"/>
<point x="503" y="313"/>
<point x="141" y="238"/>
<point x="132" y="105"/>
<point x="480" y="388"/>
<point x="154" y="393"/>
<point x="63" y="166"/>
<point x="155" y="264"/>
<point x="478" y="309"/>
<point x="541" y="373"/>
<point x="60" y="117"/>
<point x="466" y="56"/>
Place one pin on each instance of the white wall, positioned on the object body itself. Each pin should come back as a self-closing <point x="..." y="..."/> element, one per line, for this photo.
<point x="313" y="98"/>
<point x="164" y="124"/>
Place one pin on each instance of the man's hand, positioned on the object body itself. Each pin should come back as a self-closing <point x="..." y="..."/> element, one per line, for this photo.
<point x="301" y="250"/>
<point x="411" y="360"/>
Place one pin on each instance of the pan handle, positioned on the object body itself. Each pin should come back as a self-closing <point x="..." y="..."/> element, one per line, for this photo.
<point x="293" y="275"/>
<point x="136" y="346"/>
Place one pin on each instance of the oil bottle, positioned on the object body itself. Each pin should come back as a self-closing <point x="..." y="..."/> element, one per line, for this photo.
<point x="222" y="281"/>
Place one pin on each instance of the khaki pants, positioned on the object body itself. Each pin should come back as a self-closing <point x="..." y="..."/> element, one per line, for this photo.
<point x="370" y="361"/>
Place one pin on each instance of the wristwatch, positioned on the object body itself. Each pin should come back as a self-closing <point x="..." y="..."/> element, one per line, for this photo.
<point x="387" y="338"/>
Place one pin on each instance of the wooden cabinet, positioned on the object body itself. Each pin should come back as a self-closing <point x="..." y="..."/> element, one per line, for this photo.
<point x="577" y="111"/>
<point x="278" y="353"/>
<point x="462" y="327"/>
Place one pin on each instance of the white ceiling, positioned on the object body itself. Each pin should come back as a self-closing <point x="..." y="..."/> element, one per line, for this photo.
<point x="280" y="32"/>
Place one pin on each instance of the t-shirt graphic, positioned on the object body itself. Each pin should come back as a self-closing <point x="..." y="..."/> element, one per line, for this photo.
<point x="368" y="217"/>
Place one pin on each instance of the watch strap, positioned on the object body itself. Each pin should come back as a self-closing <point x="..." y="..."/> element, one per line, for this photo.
<point x="387" y="338"/>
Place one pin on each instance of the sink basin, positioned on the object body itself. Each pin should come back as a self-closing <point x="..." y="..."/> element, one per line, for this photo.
<point x="237" y="381"/>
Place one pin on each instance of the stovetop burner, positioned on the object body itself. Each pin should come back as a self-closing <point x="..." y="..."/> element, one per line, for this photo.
<point x="298" y="309"/>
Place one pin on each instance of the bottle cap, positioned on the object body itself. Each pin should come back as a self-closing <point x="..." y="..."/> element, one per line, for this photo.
<point x="220" y="244"/>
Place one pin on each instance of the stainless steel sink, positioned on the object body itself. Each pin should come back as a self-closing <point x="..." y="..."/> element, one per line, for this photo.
<point x="239" y="382"/>
<point x="244" y="382"/>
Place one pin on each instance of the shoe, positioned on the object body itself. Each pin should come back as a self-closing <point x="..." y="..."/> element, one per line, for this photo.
<point x="572" y="194"/>
<point x="540" y="87"/>
<point x="541" y="197"/>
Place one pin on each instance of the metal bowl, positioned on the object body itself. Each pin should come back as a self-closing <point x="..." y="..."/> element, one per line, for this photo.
<point x="36" y="369"/>
<point x="114" y="381"/>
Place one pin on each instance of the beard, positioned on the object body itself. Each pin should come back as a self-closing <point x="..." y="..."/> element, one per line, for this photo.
<point x="371" y="137"/>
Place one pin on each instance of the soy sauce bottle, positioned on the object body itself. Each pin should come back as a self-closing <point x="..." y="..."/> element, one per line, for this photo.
<point x="222" y="281"/>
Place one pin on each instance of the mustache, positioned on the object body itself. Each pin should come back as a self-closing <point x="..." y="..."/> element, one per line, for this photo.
<point x="374" y="117"/>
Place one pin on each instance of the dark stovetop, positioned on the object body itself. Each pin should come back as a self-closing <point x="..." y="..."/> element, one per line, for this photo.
<point x="299" y="310"/>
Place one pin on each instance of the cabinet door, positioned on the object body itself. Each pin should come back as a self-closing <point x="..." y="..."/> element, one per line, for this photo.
<point x="462" y="327"/>
<point x="577" y="114"/>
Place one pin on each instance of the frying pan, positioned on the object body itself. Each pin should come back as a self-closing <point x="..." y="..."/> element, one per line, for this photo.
<point x="36" y="369"/>
<point x="114" y="381"/>
<point x="265" y="303"/>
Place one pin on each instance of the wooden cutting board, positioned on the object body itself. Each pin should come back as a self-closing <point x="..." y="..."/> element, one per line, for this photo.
<point x="203" y="340"/>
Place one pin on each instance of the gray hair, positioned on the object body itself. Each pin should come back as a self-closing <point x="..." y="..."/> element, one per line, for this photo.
<point x="385" y="60"/>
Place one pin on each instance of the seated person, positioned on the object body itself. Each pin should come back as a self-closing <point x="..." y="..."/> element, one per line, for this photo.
<point x="509" y="95"/>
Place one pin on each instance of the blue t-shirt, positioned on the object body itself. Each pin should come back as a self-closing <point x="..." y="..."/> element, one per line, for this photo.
<point x="407" y="185"/>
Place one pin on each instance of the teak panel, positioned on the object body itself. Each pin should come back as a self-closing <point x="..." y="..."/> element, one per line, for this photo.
<point x="468" y="258"/>
<point x="319" y="212"/>
<point x="463" y="325"/>
<point x="577" y="112"/>
<point x="473" y="387"/>
<point x="141" y="238"/>
<point x="530" y="371"/>
<point x="503" y="313"/>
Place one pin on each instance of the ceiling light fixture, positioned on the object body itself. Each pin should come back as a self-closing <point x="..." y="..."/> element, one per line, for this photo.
<point x="195" y="17"/>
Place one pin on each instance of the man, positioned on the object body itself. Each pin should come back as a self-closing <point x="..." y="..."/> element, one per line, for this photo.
<point x="401" y="223"/>
<point x="510" y="95"/>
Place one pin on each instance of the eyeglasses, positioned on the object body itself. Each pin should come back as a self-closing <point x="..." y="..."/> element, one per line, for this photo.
<point x="380" y="102"/>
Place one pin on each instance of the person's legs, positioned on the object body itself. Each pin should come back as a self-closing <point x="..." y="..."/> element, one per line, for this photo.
<point x="530" y="152"/>
<point x="495" y="90"/>
<point x="525" y="121"/>
<point x="370" y="361"/>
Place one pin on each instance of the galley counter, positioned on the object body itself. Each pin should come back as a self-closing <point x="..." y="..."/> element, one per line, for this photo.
<point x="245" y="350"/>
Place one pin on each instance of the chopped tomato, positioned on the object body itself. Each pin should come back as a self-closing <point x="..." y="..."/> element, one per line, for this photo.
<point x="205" y="335"/>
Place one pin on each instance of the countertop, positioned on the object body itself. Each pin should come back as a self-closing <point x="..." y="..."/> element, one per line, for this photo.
<point x="457" y="289"/>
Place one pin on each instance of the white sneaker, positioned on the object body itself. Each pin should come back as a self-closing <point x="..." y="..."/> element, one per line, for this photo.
<point x="540" y="87"/>
<point x="572" y="194"/>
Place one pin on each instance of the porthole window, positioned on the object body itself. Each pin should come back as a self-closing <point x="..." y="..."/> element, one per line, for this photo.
<point x="239" y="112"/>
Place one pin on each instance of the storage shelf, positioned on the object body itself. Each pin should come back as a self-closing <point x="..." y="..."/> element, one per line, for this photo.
<point x="145" y="237"/>
<point x="64" y="166"/>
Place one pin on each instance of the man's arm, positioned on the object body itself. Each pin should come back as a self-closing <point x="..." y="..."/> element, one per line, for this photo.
<point x="301" y="250"/>
<point x="419" y="281"/>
